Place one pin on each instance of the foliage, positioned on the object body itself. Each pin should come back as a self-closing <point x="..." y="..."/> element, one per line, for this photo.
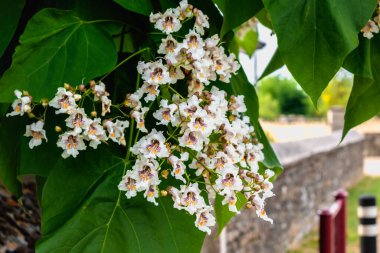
<point x="280" y="95"/>
<point x="47" y="43"/>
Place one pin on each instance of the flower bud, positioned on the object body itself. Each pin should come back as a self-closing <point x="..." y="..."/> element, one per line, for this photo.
<point x="25" y="93"/>
<point x="165" y="174"/>
<point x="82" y="88"/>
<point x="92" y="83"/>
<point x="67" y="86"/>
<point x="248" y="205"/>
<point x="163" y="193"/>
<point x="77" y="97"/>
<point x="58" y="129"/>
<point x="44" y="102"/>
<point x="27" y="108"/>
<point x="94" y="114"/>
<point x="31" y="115"/>
<point x="205" y="174"/>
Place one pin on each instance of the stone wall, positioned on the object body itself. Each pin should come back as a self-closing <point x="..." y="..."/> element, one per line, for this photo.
<point x="314" y="169"/>
<point x="372" y="144"/>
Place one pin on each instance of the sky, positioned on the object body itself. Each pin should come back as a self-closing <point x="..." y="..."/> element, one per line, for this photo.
<point x="262" y="56"/>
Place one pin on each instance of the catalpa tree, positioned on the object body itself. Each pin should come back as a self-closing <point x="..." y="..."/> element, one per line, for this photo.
<point x="138" y="122"/>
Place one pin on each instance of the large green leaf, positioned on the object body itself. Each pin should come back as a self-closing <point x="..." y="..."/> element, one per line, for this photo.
<point x="83" y="211"/>
<point x="144" y="7"/>
<point x="315" y="36"/>
<point x="57" y="47"/>
<point x="10" y="11"/>
<point x="10" y="138"/>
<point x="236" y="13"/>
<point x="274" y="64"/>
<point x="364" y="101"/>
<point x="222" y="214"/>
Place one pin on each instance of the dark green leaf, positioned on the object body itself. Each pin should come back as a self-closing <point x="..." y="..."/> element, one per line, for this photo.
<point x="264" y="18"/>
<point x="10" y="11"/>
<point x="222" y="214"/>
<point x="143" y="7"/>
<point x="10" y="137"/>
<point x="275" y="63"/>
<point x="364" y="101"/>
<point x="314" y="37"/>
<point x="236" y="13"/>
<point x="85" y="212"/>
<point x="57" y="47"/>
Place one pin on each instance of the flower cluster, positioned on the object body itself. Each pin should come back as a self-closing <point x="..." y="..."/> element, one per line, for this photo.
<point x="210" y="146"/>
<point x="81" y="127"/>
<point x="202" y="144"/>
<point x="372" y="26"/>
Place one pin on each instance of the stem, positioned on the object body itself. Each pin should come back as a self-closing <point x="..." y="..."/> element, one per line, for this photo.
<point x="124" y="61"/>
<point x="176" y="92"/>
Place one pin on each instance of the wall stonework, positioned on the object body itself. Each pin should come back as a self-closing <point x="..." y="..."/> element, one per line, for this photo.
<point x="372" y="144"/>
<point x="314" y="169"/>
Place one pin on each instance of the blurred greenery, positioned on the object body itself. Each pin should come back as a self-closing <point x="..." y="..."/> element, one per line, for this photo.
<point x="280" y="95"/>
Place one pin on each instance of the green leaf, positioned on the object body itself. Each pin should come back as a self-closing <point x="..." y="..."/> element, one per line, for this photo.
<point x="10" y="137"/>
<point x="10" y="12"/>
<point x="315" y="36"/>
<point x="143" y="7"/>
<point x="57" y="47"/>
<point x="264" y="18"/>
<point x="222" y="214"/>
<point x="236" y="13"/>
<point x="363" y="103"/>
<point x="249" y="41"/>
<point x="274" y="64"/>
<point x="85" y="212"/>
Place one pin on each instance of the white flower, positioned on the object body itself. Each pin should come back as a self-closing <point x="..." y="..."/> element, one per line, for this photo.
<point x="191" y="200"/>
<point x="139" y="117"/>
<point x="201" y="163"/>
<point x="201" y="21"/>
<point x="175" y="74"/>
<point x="178" y="166"/>
<point x="237" y="105"/>
<point x="192" y="139"/>
<point x="128" y="184"/>
<point x="95" y="133"/>
<point x="151" y="146"/>
<point x="184" y="9"/>
<point x="63" y="101"/>
<point x="194" y="45"/>
<point x="154" y="72"/>
<point x="229" y="181"/>
<point x="168" y="46"/>
<point x="106" y="105"/>
<point x="116" y="131"/>
<point x="20" y="105"/>
<point x="133" y="100"/>
<point x="263" y="215"/>
<point x="166" y="113"/>
<point x="254" y="155"/>
<point x="152" y="90"/>
<point x="201" y="122"/>
<point x="100" y="91"/>
<point x="176" y="196"/>
<point x="151" y="194"/>
<point x="231" y="201"/>
<point x="146" y="173"/>
<point x="369" y="29"/>
<point x="167" y="22"/>
<point x="190" y="107"/>
<point x="71" y="143"/>
<point x="77" y="120"/>
<point x="205" y="220"/>
<point x="36" y="131"/>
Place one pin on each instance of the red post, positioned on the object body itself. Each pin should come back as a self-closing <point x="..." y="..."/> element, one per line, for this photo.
<point x="326" y="232"/>
<point x="340" y="222"/>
